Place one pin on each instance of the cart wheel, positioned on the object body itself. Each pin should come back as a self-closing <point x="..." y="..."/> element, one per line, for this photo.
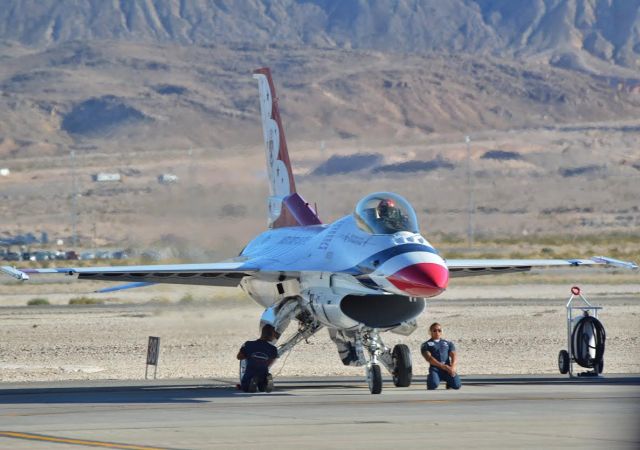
<point x="242" y="368"/>
<point x="563" y="361"/>
<point x="600" y="366"/>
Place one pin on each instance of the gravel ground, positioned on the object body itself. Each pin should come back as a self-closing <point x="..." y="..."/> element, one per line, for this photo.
<point x="497" y="330"/>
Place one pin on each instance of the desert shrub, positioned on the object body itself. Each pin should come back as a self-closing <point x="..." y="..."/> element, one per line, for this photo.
<point x="85" y="301"/>
<point x="160" y="300"/>
<point x="187" y="298"/>
<point x="416" y="166"/>
<point x="341" y="164"/>
<point x="38" y="302"/>
<point x="501" y="155"/>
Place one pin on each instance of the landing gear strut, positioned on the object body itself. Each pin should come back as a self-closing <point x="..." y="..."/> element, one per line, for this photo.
<point x="398" y="362"/>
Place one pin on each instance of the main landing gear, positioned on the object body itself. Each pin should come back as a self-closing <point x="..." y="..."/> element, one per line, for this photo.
<point x="403" y="371"/>
<point x="397" y="362"/>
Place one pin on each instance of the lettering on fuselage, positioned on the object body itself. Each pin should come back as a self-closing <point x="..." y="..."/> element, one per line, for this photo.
<point x="294" y="240"/>
<point x="326" y="241"/>
<point x="355" y="239"/>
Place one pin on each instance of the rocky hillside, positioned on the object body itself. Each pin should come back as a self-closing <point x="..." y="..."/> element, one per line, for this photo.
<point x="175" y="74"/>
<point x="108" y="96"/>
<point x="564" y="31"/>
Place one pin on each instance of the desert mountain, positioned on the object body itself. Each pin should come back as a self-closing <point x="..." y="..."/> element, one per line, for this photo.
<point x="169" y="73"/>
<point x="608" y="30"/>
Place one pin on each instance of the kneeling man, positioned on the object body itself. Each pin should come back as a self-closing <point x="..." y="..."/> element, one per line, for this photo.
<point x="441" y="356"/>
<point x="260" y="354"/>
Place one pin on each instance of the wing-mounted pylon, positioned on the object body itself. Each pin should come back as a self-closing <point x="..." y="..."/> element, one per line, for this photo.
<point x="286" y="207"/>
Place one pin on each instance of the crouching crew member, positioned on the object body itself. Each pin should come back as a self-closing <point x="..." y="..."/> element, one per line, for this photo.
<point x="441" y="356"/>
<point x="260" y="354"/>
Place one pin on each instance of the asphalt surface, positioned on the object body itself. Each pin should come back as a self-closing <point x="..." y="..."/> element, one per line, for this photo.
<point x="333" y="412"/>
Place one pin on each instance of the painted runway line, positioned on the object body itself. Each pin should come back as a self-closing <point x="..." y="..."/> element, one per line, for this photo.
<point x="62" y="440"/>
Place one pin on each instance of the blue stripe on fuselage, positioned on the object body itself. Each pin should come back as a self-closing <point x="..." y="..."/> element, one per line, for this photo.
<point x="367" y="265"/>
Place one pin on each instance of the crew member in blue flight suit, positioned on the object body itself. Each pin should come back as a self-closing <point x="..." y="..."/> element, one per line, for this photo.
<point x="260" y="354"/>
<point x="441" y="356"/>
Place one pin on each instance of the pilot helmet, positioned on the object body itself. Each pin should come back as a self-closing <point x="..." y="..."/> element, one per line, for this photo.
<point x="386" y="207"/>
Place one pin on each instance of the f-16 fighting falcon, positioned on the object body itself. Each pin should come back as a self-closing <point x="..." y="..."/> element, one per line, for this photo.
<point x="364" y="274"/>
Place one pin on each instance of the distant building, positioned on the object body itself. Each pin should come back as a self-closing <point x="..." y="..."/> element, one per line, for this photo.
<point x="167" y="178"/>
<point x="106" y="177"/>
<point x="4" y="172"/>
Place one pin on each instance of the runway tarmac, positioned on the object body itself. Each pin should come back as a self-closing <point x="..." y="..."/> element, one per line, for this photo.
<point x="334" y="412"/>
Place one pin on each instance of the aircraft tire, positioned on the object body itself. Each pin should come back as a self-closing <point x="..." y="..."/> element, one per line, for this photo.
<point x="374" y="379"/>
<point x="563" y="361"/>
<point x="402" y="369"/>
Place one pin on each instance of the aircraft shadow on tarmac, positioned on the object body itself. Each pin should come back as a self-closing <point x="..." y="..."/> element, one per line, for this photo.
<point x="126" y="394"/>
<point x="212" y="389"/>
<point x="179" y="393"/>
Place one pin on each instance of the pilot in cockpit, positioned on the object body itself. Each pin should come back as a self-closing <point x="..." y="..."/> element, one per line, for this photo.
<point x="385" y="213"/>
<point x="389" y="214"/>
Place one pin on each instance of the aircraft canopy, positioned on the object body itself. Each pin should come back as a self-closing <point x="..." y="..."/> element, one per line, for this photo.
<point x="385" y="213"/>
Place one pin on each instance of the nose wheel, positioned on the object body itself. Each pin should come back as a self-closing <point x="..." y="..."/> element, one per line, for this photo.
<point x="374" y="378"/>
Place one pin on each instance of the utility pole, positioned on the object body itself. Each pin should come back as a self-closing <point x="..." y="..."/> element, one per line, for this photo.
<point x="95" y="234"/>
<point x="323" y="185"/>
<point x="192" y="167"/>
<point x="471" y="205"/>
<point x="74" y="199"/>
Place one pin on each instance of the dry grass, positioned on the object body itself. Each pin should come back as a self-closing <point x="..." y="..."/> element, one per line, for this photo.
<point x="621" y="246"/>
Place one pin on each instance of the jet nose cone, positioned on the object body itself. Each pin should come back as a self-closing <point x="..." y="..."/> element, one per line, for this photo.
<point x="421" y="280"/>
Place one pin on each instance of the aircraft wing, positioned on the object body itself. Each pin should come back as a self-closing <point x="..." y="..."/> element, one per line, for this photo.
<point x="474" y="267"/>
<point x="211" y="274"/>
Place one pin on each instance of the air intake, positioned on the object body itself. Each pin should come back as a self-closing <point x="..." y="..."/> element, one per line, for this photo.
<point x="381" y="311"/>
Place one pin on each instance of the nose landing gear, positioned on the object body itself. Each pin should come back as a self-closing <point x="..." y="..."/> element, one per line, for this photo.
<point x="397" y="362"/>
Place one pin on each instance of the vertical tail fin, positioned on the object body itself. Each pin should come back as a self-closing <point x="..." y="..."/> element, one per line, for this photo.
<point x="286" y="207"/>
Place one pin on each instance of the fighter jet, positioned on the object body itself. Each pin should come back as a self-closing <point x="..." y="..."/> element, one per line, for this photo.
<point x="364" y="274"/>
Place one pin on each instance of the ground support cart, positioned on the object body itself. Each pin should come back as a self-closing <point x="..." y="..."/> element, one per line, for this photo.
<point x="589" y="343"/>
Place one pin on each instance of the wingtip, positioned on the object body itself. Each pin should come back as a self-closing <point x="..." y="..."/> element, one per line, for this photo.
<point x="15" y="273"/>
<point x="615" y="262"/>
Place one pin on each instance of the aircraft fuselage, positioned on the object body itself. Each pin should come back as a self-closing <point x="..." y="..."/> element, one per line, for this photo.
<point x="403" y="263"/>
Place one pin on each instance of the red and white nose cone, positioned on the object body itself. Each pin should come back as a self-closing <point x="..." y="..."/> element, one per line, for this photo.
<point x="422" y="279"/>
